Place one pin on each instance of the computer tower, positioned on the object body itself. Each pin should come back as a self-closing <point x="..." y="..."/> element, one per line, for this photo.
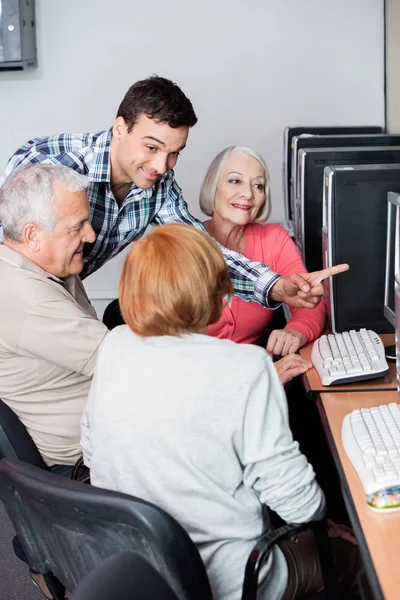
<point x="290" y="132"/>
<point x="333" y="141"/>
<point x="354" y="232"/>
<point x="308" y="211"/>
<point x="17" y="34"/>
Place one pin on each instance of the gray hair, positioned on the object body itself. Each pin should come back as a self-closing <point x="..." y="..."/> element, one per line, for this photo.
<point x="27" y="196"/>
<point x="210" y="181"/>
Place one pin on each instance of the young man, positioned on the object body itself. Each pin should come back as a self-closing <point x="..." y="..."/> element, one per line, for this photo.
<point x="132" y="185"/>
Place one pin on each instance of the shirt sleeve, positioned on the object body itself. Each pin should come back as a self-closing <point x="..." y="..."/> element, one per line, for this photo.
<point x="309" y="323"/>
<point x="59" y="332"/>
<point x="28" y="154"/>
<point x="251" y="280"/>
<point x="273" y="464"/>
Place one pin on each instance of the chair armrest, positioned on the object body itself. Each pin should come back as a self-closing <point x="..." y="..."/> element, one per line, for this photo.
<point x="264" y="545"/>
<point x="81" y="472"/>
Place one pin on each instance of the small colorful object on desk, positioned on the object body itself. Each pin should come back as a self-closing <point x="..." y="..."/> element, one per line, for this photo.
<point x="387" y="499"/>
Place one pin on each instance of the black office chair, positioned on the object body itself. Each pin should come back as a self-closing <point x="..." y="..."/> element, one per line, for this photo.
<point x="112" y="315"/>
<point x="125" y="576"/>
<point x="67" y="528"/>
<point x="15" y="441"/>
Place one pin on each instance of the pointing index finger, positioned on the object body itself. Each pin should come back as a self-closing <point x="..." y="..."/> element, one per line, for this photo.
<point x="325" y="273"/>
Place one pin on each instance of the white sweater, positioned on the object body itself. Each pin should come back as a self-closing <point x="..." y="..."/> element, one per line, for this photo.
<point x="199" y="427"/>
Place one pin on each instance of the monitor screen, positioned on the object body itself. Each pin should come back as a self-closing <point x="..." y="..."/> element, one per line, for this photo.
<point x="392" y="255"/>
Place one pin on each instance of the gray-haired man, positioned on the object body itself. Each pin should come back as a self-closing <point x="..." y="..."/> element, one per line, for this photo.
<point x="49" y="332"/>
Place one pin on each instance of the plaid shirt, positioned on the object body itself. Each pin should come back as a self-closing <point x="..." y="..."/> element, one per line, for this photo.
<point x="116" y="227"/>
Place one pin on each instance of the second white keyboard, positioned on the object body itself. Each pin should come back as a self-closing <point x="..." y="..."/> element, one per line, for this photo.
<point x="349" y="356"/>
<point x="371" y="439"/>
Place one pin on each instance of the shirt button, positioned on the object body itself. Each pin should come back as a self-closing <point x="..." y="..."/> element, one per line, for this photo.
<point x="230" y="323"/>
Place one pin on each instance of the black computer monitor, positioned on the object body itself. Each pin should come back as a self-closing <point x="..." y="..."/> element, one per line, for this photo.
<point x="392" y="255"/>
<point x="290" y="132"/>
<point x="355" y="222"/>
<point x="308" y="211"/>
<point x="392" y="267"/>
<point x="332" y="141"/>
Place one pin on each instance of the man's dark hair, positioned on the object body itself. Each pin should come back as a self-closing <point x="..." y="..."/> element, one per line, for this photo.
<point x="159" y="99"/>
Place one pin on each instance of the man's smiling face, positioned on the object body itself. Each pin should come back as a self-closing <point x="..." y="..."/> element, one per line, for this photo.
<point x="147" y="152"/>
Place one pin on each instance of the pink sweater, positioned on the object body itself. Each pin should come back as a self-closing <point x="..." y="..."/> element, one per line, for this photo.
<point x="244" y="322"/>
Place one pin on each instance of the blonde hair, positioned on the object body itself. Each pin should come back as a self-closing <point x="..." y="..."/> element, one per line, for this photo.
<point x="210" y="181"/>
<point x="173" y="282"/>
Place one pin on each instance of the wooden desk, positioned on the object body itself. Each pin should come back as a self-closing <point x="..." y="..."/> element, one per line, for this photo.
<point x="378" y="534"/>
<point x="313" y="385"/>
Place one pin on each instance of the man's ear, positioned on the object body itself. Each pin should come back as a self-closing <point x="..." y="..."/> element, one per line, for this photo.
<point x="119" y="128"/>
<point x="31" y="237"/>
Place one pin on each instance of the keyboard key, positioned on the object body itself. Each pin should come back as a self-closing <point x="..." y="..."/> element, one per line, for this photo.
<point x="369" y="460"/>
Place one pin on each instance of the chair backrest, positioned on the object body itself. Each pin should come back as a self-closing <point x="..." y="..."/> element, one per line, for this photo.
<point x="67" y="528"/>
<point x="15" y="441"/>
<point x="112" y="315"/>
<point x="124" y="576"/>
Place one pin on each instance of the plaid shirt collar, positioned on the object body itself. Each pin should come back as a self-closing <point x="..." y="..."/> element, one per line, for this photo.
<point x="100" y="169"/>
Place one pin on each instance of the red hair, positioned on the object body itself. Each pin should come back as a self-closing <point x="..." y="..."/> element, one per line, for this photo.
<point x="173" y="282"/>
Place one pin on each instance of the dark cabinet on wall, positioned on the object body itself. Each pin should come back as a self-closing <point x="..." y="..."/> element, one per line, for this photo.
<point x="17" y="34"/>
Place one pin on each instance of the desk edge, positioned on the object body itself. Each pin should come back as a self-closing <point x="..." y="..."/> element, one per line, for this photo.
<point x="364" y="551"/>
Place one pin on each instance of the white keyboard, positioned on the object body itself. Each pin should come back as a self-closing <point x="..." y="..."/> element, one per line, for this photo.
<point x="349" y="356"/>
<point x="371" y="439"/>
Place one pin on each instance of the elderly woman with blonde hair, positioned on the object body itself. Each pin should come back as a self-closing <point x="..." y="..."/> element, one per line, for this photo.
<point x="236" y="195"/>
<point x="198" y="425"/>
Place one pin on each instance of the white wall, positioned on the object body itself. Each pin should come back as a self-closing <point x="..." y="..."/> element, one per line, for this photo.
<point x="250" y="68"/>
<point x="392" y="65"/>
